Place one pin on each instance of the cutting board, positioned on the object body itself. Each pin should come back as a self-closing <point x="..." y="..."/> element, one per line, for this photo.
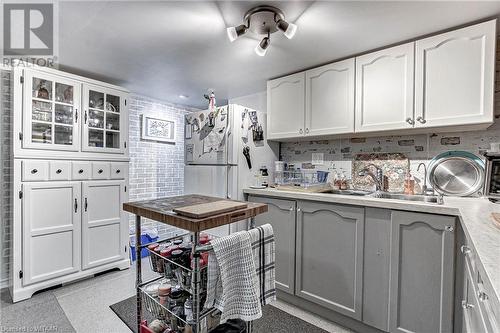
<point x="209" y="209"/>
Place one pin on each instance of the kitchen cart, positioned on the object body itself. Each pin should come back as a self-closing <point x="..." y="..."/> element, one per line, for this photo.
<point x="161" y="210"/>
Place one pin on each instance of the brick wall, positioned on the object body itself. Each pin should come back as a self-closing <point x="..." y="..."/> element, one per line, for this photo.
<point x="156" y="169"/>
<point x="5" y="173"/>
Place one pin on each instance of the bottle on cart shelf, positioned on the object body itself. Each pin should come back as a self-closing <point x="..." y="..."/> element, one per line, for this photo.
<point x="153" y="258"/>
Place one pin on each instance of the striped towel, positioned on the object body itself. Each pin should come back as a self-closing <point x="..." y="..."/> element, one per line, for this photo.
<point x="263" y="254"/>
<point x="232" y="276"/>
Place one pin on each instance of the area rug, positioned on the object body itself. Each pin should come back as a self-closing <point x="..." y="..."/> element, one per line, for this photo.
<point x="273" y="319"/>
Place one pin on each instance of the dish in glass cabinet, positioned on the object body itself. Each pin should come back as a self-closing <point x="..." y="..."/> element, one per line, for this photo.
<point x="110" y="107"/>
<point x="42" y="91"/>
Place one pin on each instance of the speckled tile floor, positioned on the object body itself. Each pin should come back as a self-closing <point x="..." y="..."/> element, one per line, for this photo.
<point x="84" y="306"/>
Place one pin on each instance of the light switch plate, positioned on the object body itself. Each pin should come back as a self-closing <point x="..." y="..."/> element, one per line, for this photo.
<point x="318" y="159"/>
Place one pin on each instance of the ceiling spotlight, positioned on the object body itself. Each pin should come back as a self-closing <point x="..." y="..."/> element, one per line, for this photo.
<point x="288" y="29"/>
<point x="234" y="32"/>
<point x="263" y="20"/>
<point x="261" y="49"/>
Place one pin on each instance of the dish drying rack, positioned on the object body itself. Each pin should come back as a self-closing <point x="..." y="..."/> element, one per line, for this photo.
<point x="304" y="180"/>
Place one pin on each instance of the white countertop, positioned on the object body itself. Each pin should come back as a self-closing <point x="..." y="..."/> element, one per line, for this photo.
<point x="474" y="215"/>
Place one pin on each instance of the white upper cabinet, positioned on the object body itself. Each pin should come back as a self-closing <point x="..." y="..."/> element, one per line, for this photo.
<point x="52" y="112"/>
<point x="384" y="89"/>
<point x="285" y="107"/>
<point x="455" y="77"/>
<point x="104" y="120"/>
<point x="330" y="99"/>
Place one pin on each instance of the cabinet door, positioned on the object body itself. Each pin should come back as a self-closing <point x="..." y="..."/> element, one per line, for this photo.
<point x="384" y="89"/>
<point x="329" y="256"/>
<point x="285" y="107"/>
<point x="104" y="223"/>
<point x="51" y="230"/>
<point x="51" y="118"/>
<point x="330" y="99"/>
<point x="422" y="272"/>
<point x="281" y="215"/>
<point x="104" y="120"/>
<point x="455" y="77"/>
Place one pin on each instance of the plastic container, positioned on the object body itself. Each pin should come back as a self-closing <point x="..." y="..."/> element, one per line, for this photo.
<point x="148" y="235"/>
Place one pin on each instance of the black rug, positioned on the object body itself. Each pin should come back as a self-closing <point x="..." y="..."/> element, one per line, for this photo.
<point x="273" y="319"/>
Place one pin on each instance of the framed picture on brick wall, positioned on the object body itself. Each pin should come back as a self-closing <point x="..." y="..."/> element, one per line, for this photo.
<point x="156" y="129"/>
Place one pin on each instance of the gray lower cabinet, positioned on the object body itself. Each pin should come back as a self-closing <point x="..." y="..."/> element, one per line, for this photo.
<point x="422" y="272"/>
<point x="392" y="270"/>
<point x="329" y="256"/>
<point x="281" y="215"/>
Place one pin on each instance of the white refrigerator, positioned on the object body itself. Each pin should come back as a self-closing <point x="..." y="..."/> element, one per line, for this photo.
<point x="215" y="163"/>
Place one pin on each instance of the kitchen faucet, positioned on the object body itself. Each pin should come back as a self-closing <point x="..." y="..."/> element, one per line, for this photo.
<point x="377" y="177"/>
<point x="425" y="190"/>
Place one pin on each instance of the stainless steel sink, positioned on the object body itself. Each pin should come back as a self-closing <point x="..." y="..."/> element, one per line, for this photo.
<point x="351" y="192"/>
<point x="407" y="197"/>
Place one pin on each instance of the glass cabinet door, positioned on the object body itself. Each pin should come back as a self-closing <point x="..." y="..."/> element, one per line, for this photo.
<point x="52" y="116"/>
<point x="104" y="117"/>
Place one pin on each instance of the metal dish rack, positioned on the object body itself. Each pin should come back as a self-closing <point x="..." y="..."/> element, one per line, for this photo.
<point x="196" y="290"/>
<point x="301" y="180"/>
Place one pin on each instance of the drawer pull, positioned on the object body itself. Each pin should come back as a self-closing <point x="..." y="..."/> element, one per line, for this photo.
<point x="100" y="171"/>
<point x="466" y="305"/>
<point x="117" y="170"/>
<point x="410" y="121"/>
<point x="482" y="296"/>
<point x="76" y="206"/>
<point x="58" y="171"/>
<point x="465" y="249"/>
<point x="34" y="171"/>
<point x="80" y="171"/>
<point x="86" y="204"/>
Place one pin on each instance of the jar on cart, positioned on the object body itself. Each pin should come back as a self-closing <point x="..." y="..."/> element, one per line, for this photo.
<point x="153" y="258"/>
<point x="167" y="267"/>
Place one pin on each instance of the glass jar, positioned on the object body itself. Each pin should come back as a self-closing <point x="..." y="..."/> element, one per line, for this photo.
<point x="176" y="257"/>
<point x="188" y="310"/>
<point x="167" y="253"/>
<point x="152" y="257"/>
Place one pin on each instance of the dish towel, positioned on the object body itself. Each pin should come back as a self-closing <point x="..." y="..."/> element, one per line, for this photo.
<point x="232" y="276"/>
<point x="263" y="253"/>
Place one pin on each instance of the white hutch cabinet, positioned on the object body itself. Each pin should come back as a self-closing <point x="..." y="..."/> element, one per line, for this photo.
<point x="70" y="178"/>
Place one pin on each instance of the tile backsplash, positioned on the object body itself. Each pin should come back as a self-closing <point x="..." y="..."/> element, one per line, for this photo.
<point x="341" y="153"/>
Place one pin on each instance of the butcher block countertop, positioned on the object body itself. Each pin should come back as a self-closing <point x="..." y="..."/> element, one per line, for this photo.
<point x="161" y="210"/>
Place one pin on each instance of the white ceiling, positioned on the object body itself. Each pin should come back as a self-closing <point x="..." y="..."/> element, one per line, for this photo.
<point x="164" y="49"/>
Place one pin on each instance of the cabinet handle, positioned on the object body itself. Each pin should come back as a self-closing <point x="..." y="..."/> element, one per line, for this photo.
<point x="76" y="115"/>
<point x="410" y="121"/>
<point x="86" y="204"/>
<point x="482" y="296"/>
<point x="465" y="249"/>
<point x="34" y="171"/>
<point x="80" y="171"/>
<point x="291" y="209"/>
<point x="76" y="205"/>
<point x="466" y="305"/>
<point x="421" y="120"/>
<point x="85" y="117"/>
<point x="449" y="228"/>
<point x="100" y="171"/>
<point x="117" y="170"/>
<point x="299" y="210"/>
<point x="300" y="131"/>
<point x="58" y="171"/>
<point x="307" y="130"/>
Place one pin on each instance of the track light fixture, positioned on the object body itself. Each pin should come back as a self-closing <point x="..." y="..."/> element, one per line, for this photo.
<point x="263" y="20"/>
<point x="261" y="49"/>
